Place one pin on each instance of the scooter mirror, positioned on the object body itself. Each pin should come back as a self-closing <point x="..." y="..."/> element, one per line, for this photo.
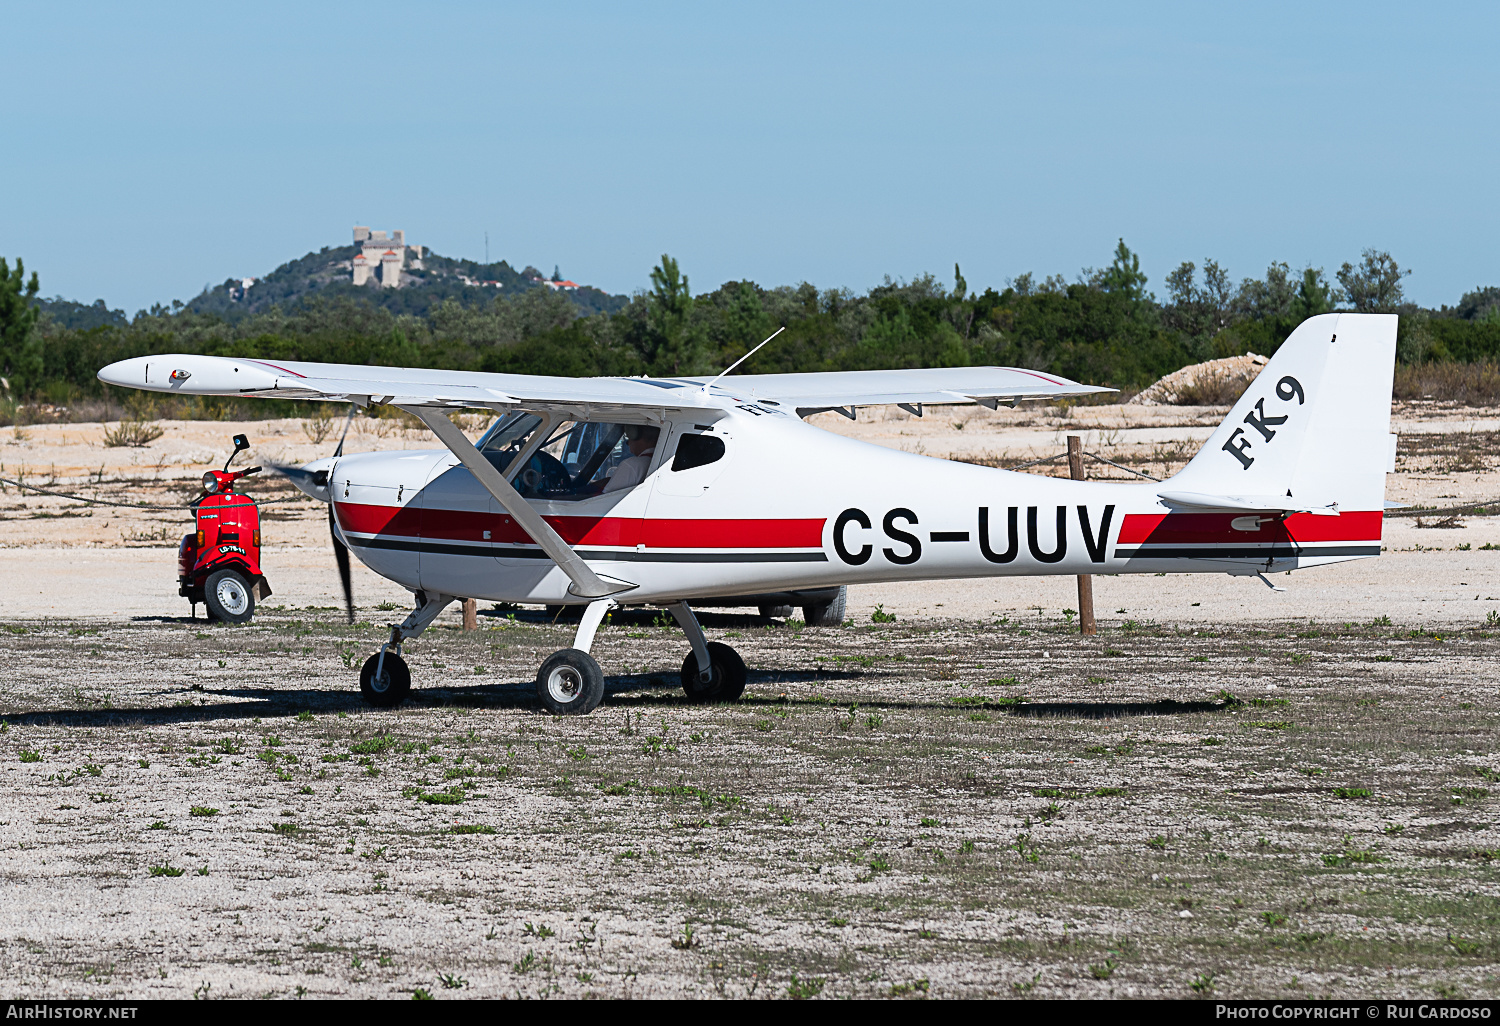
<point x="241" y="443"/>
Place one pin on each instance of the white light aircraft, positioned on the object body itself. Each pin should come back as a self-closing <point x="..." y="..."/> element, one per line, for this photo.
<point x="656" y="491"/>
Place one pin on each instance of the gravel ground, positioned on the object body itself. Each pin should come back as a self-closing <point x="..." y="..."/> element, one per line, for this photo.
<point x="926" y="807"/>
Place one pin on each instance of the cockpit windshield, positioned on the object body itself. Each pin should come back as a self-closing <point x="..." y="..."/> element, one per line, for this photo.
<point x="502" y="443"/>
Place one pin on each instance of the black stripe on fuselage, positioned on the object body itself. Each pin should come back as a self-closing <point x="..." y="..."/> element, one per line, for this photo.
<point x="616" y="555"/>
<point x="1264" y="552"/>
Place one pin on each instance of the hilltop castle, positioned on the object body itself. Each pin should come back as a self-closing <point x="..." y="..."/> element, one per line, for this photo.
<point x="381" y="259"/>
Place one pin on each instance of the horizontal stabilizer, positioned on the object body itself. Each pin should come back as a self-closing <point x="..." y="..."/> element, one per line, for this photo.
<point x="1200" y="501"/>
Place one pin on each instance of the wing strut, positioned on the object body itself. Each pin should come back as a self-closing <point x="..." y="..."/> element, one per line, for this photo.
<point x="586" y="583"/>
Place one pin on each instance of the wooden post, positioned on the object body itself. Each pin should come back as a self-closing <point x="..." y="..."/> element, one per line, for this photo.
<point x="471" y="615"/>
<point x="1086" y="624"/>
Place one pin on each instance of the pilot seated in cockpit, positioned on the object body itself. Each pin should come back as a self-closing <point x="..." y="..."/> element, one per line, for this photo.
<point x="640" y="439"/>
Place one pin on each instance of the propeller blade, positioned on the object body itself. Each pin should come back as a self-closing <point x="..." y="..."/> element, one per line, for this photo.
<point x="341" y="556"/>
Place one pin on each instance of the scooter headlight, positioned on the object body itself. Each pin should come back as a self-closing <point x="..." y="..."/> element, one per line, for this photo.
<point x="210" y="483"/>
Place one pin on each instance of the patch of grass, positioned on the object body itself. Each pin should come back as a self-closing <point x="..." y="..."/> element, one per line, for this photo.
<point x="203" y="810"/>
<point x="1465" y="947"/>
<point x="1108" y="792"/>
<point x="1273" y="919"/>
<point x="1269" y="724"/>
<point x="373" y="746"/>
<point x="287" y="829"/>
<point x="1026" y="848"/>
<point x="1104" y="970"/>
<point x="1352" y="792"/>
<point x="455" y="796"/>
<point x="472" y="828"/>
<point x="880" y="616"/>
<point x="1352" y="856"/>
<point x="803" y="990"/>
<point x="706" y="798"/>
<point x="165" y="869"/>
<point x="914" y="987"/>
<point x="30" y="756"/>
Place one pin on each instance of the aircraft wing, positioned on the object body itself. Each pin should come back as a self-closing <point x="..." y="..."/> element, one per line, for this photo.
<point x="937" y="386"/>
<point x="807" y="393"/>
<point x="401" y="386"/>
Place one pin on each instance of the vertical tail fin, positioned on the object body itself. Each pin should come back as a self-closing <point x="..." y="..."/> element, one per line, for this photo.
<point x="1314" y="426"/>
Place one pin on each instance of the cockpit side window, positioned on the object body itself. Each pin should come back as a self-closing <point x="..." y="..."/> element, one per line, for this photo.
<point x="697" y="451"/>
<point x="586" y="458"/>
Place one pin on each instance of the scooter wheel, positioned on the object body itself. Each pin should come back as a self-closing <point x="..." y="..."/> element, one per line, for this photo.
<point x="726" y="681"/>
<point x="570" y="683"/>
<point x="229" y="597"/>
<point x="391" y="687"/>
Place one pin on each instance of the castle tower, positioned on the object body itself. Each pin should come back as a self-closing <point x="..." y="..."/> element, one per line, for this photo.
<point x="381" y="257"/>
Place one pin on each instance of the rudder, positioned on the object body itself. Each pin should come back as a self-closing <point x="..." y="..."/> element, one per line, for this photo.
<point x="1315" y="425"/>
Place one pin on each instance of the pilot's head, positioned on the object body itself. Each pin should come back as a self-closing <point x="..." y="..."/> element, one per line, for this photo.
<point x="641" y="438"/>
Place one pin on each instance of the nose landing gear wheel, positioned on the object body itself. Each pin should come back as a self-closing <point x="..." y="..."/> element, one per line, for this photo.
<point x="391" y="687"/>
<point x="726" y="682"/>
<point x="228" y="597"/>
<point x="570" y="683"/>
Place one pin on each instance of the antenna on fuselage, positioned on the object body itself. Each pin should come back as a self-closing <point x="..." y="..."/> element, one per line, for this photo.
<point x="742" y="359"/>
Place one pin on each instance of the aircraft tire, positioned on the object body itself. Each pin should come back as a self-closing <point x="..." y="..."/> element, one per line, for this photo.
<point x="570" y="683"/>
<point x="229" y="597"/>
<point x="728" y="681"/>
<point x="827" y="614"/>
<point x="395" y="683"/>
<point x="780" y="612"/>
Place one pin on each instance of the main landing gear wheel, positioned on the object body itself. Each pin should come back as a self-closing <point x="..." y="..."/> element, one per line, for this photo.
<point x="827" y="614"/>
<point x="570" y="683"/>
<point x="229" y="597"/>
<point x="726" y="682"/>
<point x="391" y="687"/>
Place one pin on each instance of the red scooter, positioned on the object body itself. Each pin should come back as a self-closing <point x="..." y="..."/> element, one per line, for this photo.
<point x="219" y="564"/>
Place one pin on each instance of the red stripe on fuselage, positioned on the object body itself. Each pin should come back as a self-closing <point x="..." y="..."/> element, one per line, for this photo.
<point x="1211" y="528"/>
<point x="462" y="525"/>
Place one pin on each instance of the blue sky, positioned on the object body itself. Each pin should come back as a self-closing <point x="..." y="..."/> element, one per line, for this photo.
<point x="151" y="149"/>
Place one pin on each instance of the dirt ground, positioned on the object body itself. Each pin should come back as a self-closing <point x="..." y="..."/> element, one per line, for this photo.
<point x="1263" y="795"/>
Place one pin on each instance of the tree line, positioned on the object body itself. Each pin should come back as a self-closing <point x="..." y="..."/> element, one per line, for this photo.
<point x="1103" y="327"/>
